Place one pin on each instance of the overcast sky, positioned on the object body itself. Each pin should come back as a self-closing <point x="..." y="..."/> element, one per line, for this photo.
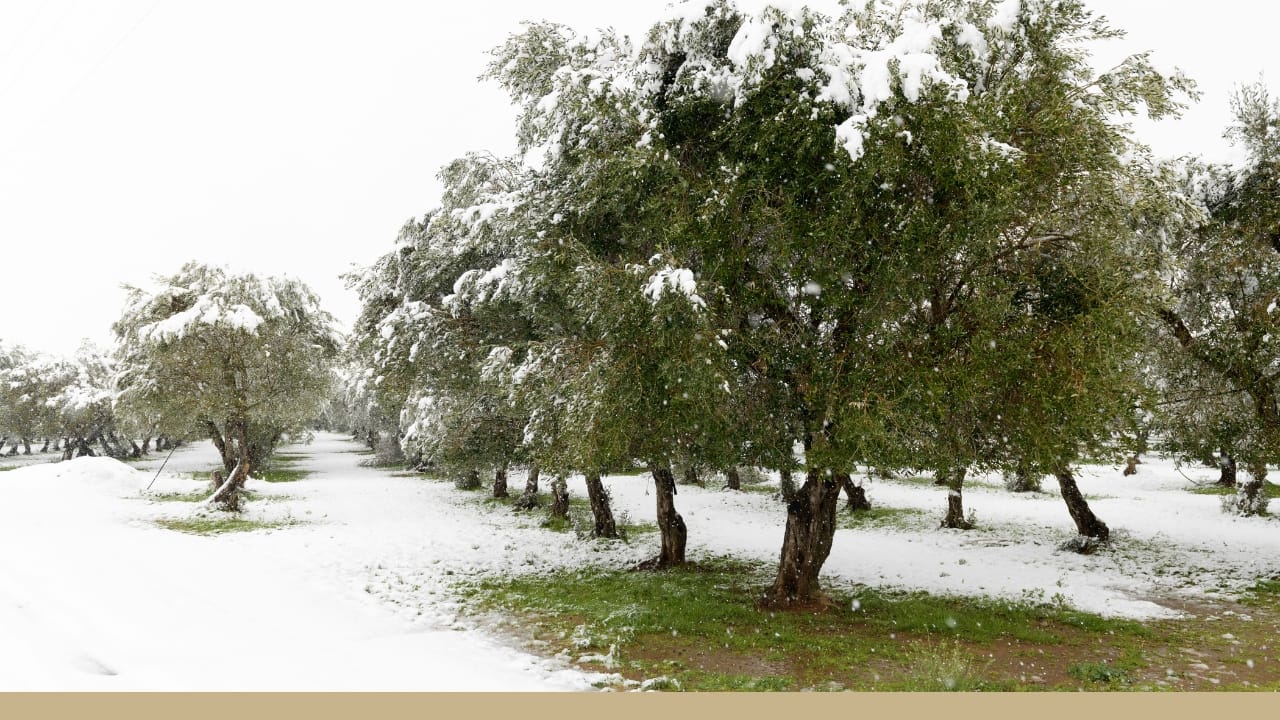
<point x="297" y="137"/>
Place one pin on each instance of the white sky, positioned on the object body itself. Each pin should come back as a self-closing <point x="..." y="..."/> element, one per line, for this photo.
<point x="297" y="137"/>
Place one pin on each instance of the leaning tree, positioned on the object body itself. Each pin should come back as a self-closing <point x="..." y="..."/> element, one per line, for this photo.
<point x="240" y="359"/>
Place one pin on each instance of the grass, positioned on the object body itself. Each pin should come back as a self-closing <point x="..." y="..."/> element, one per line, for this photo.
<point x="699" y="625"/>
<point x="4" y="468"/>
<point x="220" y="525"/>
<point x="942" y="668"/>
<point x="191" y="497"/>
<point x="1099" y="672"/>
<point x="1270" y="490"/>
<point x="281" y="474"/>
<point x="879" y="516"/>
<point x="1263" y="592"/>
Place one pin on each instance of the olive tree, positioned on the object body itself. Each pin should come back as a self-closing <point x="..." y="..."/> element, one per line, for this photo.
<point x="239" y="359"/>
<point x="1224" y="308"/>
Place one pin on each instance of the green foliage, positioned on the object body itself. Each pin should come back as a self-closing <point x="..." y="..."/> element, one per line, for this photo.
<point x="1221" y="342"/>
<point x="241" y="359"/>
<point x="941" y="668"/>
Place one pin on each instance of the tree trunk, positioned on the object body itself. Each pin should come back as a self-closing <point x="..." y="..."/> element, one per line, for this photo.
<point x="529" y="498"/>
<point x="26" y="446"/>
<point x="1131" y="466"/>
<point x="1250" y="498"/>
<point x="1227" y="464"/>
<point x="1087" y="524"/>
<point x="1023" y="480"/>
<point x="135" y="452"/>
<point x="691" y="476"/>
<point x="605" y="527"/>
<point x="806" y="543"/>
<point x="223" y="444"/>
<point x="671" y="526"/>
<point x="954" y="481"/>
<point x="500" y="483"/>
<point x="228" y="495"/>
<point x="733" y="481"/>
<point x="559" y="498"/>
<point x="857" y="495"/>
<point x="45" y="448"/>
<point x="786" y="486"/>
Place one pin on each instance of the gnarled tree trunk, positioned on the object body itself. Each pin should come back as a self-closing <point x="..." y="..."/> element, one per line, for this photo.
<point x="856" y="494"/>
<point x="1227" y="465"/>
<point x="529" y="498"/>
<point x="733" y="480"/>
<point x="671" y="526"/>
<point x="559" y="498"/>
<point x="1250" y="497"/>
<point x="1024" y="479"/>
<point x="228" y="495"/>
<point x="806" y="542"/>
<point x="786" y="486"/>
<point x="500" y="483"/>
<point x="691" y="476"/>
<point x="954" y="480"/>
<point x="605" y="527"/>
<point x="1087" y="524"/>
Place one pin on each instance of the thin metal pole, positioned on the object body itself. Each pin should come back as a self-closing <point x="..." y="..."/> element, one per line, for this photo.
<point x="166" y="462"/>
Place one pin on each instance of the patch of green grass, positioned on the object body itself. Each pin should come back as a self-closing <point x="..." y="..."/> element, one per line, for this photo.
<point x="190" y="497"/>
<point x="941" y="668"/>
<point x="281" y="474"/>
<point x="879" y="516"/>
<point x="4" y="468"/>
<point x="1103" y="673"/>
<point x="1269" y="489"/>
<point x="739" y="683"/>
<point x="710" y="607"/>
<point x="220" y="525"/>
<point x="1263" y="592"/>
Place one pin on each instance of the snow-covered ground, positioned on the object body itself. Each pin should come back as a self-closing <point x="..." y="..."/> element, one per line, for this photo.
<point x="352" y="591"/>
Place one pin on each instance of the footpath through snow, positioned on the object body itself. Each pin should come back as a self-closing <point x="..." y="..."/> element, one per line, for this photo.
<point x="353" y="589"/>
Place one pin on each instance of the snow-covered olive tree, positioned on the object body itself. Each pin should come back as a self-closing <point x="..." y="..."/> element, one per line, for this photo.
<point x="850" y="209"/>
<point x="1225" y="307"/>
<point x="239" y="359"/>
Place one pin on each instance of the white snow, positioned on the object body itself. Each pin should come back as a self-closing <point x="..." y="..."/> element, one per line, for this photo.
<point x="94" y="596"/>
<point x="358" y="593"/>
<point x="678" y="279"/>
